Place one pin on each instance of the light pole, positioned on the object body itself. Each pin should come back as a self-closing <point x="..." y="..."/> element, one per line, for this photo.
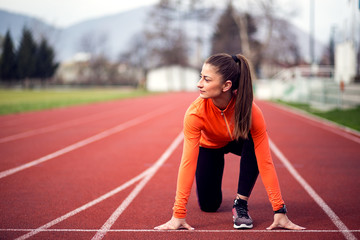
<point x="312" y="32"/>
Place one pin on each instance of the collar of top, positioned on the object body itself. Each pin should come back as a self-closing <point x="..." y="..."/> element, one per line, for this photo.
<point x="228" y="107"/>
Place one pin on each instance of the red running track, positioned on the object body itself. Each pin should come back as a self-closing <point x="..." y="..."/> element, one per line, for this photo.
<point x="108" y="171"/>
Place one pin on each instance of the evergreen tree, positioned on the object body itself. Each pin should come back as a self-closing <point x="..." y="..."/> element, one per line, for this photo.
<point x="26" y="57"/>
<point x="45" y="65"/>
<point x="332" y="47"/>
<point x="8" y="60"/>
<point x="226" y="37"/>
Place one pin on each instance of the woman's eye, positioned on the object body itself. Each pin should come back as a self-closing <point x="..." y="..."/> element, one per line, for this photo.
<point x="205" y="79"/>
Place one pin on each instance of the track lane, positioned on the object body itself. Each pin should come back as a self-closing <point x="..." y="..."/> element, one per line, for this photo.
<point x="328" y="161"/>
<point x="28" y="149"/>
<point x="86" y="141"/>
<point x="219" y="225"/>
<point x="157" y="197"/>
<point x="22" y="122"/>
<point x="91" y="167"/>
<point x="293" y="192"/>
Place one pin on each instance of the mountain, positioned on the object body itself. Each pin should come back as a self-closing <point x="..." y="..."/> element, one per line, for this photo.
<point x="16" y="22"/>
<point x="112" y="34"/>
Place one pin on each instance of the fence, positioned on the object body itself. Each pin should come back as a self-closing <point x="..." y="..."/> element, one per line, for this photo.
<point x="314" y="86"/>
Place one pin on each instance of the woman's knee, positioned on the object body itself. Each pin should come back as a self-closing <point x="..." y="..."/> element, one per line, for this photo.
<point x="209" y="206"/>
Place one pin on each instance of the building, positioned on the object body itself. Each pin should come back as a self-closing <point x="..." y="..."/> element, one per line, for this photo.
<point x="172" y="78"/>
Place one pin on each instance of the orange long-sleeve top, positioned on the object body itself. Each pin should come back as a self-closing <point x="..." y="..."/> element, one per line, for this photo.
<point x="207" y="126"/>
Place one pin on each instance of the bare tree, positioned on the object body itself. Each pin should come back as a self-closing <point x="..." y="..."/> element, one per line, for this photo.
<point x="95" y="45"/>
<point x="277" y="42"/>
<point x="267" y="16"/>
<point x="283" y="48"/>
<point x="165" y="37"/>
<point x="138" y="53"/>
<point x="164" y="41"/>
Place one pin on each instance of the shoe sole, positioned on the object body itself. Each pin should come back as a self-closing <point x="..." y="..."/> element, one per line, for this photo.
<point x="243" y="226"/>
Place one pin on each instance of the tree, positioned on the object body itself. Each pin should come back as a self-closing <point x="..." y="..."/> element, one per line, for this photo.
<point x="267" y="16"/>
<point x="8" y="59"/>
<point x="328" y="55"/>
<point x="226" y="37"/>
<point x="26" y="57"/>
<point x="283" y="49"/>
<point x="166" y="39"/>
<point x="45" y="57"/>
<point x="138" y="53"/>
<point x="332" y="47"/>
<point x="95" y="45"/>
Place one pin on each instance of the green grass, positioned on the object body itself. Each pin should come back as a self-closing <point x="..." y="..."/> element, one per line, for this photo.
<point x="346" y="117"/>
<point x="16" y="101"/>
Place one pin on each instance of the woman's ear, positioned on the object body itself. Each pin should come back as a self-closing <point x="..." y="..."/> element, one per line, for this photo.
<point x="227" y="85"/>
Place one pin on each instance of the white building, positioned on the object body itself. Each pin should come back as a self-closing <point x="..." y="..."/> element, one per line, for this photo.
<point x="172" y="78"/>
<point x="345" y="62"/>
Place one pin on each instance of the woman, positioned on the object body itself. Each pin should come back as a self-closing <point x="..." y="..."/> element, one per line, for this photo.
<point x="225" y="119"/>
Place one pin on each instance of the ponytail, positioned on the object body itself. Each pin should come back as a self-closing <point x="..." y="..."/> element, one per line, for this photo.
<point x="244" y="99"/>
<point x="236" y="68"/>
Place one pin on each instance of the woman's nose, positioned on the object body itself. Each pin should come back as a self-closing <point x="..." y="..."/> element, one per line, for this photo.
<point x="199" y="84"/>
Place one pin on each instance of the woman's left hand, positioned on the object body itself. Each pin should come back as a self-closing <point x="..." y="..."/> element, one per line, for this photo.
<point x="282" y="221"/>
<point x="174" y="224"/>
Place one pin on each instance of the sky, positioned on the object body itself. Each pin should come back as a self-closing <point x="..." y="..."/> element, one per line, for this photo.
<point x="67" y="12"/>
<point x="328" y="13"/>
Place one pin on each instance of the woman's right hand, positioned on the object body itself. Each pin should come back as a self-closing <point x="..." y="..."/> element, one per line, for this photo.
<point x="282" y="221"/>
<point x="174" y="224"/>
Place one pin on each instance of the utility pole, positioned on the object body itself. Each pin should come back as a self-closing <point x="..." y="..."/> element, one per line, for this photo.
<point x="312" y="32"/>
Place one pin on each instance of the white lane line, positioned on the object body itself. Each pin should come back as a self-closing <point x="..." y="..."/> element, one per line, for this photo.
<point x="55" y="127"/>
<point x="85" y="142"/>
<point x="334" y="218"/>
<point x="46" y="226"/>
<point x="170" y="231"/>
<point x="84" y="207"/>
<point x="322" y="123"/>
<point x="106" y="227"/>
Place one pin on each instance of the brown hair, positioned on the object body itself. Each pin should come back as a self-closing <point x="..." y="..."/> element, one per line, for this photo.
<point x="236" y="69"/>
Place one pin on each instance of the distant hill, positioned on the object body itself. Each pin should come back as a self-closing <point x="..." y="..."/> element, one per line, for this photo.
<point x="115" y="29"/>
<point x="113" y="33"/>
<point x="16" y="22"/>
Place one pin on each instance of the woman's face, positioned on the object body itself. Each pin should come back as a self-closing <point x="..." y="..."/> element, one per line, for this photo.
<point x="210" y="83"/>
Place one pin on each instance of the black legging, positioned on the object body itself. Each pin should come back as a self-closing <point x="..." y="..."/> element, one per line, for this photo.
<point x="210" y="168"/>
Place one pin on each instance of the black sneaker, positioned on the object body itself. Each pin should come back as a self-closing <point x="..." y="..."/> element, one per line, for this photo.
<point x="241" y="216"/>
